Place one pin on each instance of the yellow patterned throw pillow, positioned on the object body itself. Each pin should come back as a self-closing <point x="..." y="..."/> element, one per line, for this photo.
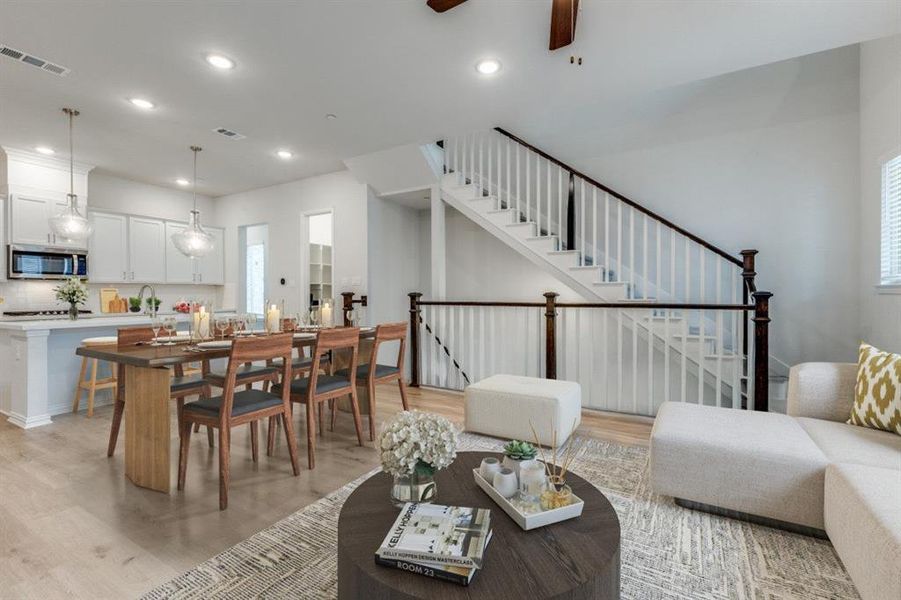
<point x="877" y="395"/>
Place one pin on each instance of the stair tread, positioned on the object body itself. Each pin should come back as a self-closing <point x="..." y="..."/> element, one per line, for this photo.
<point x="584" y="267"/>
<point x="562" y="252"/>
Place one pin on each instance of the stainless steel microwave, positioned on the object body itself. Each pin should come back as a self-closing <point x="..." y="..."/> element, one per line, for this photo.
<point x="41" y="262"/>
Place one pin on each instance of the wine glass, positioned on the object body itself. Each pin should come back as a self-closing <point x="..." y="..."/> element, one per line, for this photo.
<point x="222" y="324"/>
<point x="251" y="322"/>
<point x="353" y="317"/>
<point x="170" y="324"/>
<point x="156" y="323"/>
<point x="314" y="317"/>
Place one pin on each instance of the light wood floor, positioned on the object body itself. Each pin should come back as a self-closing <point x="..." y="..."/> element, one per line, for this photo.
<point x="71" y="525"/>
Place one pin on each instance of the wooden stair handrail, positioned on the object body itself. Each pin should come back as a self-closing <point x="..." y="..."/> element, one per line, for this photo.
<point x="621" y="197"/>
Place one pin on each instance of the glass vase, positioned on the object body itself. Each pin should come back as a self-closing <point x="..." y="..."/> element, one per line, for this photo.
<point x="417" y="487"/>
<point x="73" y="312"/>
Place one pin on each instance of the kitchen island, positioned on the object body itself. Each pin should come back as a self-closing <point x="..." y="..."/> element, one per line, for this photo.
<point x="39" y="368"/>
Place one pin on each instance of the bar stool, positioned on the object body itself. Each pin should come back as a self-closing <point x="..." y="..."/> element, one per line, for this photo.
<point x="93" y="384"/>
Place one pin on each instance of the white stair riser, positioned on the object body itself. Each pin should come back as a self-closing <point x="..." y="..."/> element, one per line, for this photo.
<point x="521" y="231"/>
<point x="564" y="261"/>
<point x="542" y="245"/>
<point x="501" y="219"/>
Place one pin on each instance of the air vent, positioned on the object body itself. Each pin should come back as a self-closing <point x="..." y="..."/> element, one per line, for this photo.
<point x="232" y="135"/>
<point x="33" y="61"/>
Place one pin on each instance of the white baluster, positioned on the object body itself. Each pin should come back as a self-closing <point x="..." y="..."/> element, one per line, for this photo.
<point x="509" y="183"/>
<point x="528" y="186"/>
<point x="538" y="195"/>
<point x="718" y="333"/>
<point x="634" y="320"/>
<point x="595" y="250"/>
<point x="657" y="262"/>
<point x="518" y="186"/>
<point x="736" y="345"/>
<point x="650" y="361"/>
<point x="606" y="236"/>
<point x="619" y="358"/>
<point x="582" y="219"/>
<point x="550" y="210"/>
<point x="634" y="292"/>
<point x="666" y="346"/>
<point x="702" y="326"/>
<point x="646" y="275"/>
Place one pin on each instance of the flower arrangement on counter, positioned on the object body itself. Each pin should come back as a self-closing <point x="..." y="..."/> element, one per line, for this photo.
<point x="74" y="292"/>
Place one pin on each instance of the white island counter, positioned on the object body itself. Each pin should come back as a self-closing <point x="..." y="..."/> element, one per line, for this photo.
<point x="39" y="366"/>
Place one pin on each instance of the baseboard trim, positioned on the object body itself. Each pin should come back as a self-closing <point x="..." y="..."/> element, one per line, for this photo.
<point x="28" y="422"/>
<point x="757" y="520"/>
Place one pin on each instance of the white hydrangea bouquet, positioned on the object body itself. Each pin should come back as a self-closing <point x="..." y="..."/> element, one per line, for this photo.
<point x="74" y="292"/>
<point x="413" y="446"/>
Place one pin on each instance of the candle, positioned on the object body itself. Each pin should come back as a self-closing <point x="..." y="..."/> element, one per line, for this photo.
<point x="326" y="315"/>
<point x="273" y="316"/>
<point x="202" y="323"/>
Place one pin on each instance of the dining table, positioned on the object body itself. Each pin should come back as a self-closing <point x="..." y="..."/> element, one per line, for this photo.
<point x="146" y="370"/>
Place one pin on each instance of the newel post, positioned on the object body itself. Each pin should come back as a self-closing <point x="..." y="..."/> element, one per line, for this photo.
<point x="761" y="350"/>
<point x="348" y="306"/>
<point x="415" y="319"/>
<point x="550" y="350"/>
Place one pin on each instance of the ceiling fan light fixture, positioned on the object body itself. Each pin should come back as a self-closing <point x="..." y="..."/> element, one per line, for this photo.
<point x="488" y="66"/>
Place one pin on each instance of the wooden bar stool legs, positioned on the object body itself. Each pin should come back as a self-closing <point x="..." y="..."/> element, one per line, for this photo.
<point x="93" y="384"/>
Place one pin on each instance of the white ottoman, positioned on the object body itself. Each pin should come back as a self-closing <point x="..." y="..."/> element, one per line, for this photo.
<point x="504" y="406"/>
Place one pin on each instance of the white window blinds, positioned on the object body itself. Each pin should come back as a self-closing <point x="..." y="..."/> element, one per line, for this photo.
<point x="891" y="222"/>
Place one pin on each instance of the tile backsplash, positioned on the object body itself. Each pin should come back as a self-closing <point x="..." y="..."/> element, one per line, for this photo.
<point x="39" y="295"/>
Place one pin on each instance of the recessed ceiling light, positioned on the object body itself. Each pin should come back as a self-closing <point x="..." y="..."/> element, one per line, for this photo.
<point x="182" y="181"/>
<point x="488" y="66"/>
<point x="142" y="103"/>
<point x="284" y="154"/>
<point x="331" y="117"/>
<point x="44" y="150"/>
<point x="220" y="62"/>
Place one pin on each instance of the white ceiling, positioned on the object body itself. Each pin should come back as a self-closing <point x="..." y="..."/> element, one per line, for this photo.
<point x="393" y="71"/>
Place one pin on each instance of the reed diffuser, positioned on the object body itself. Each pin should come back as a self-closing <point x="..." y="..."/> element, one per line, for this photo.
<point x="558" y="493"/>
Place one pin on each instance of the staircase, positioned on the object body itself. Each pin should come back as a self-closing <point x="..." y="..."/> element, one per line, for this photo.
<point x="609" y="249"/>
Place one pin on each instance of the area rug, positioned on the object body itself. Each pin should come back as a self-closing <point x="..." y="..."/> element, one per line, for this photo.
<point x="668" y="552"/>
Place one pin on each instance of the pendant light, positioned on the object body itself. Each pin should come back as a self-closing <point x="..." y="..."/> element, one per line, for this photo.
<point x="193" y="241"/>
<point x="70" y="225"/>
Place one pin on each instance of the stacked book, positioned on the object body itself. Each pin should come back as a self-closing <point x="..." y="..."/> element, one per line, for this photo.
<point x="443" y="542"/>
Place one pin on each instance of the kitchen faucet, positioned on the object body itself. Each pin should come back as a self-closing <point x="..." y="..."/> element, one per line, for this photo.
<point x="148" y="310"/>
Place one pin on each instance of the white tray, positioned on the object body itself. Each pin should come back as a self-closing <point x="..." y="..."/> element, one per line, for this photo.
<point x="530" y="520"/>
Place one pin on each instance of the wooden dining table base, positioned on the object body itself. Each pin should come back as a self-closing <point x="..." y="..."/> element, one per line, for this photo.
<point x="147" y="427"/>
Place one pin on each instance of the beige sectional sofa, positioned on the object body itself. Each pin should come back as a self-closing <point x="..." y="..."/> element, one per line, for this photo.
<point x="807" y="470"/>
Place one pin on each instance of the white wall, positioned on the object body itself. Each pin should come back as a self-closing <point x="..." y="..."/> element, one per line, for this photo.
<point x="880" y="140"/>
<point x="108" y="192"/>
<point x="282" y="208"/>
<point x="481" y="267"/>
<point x="765" y="158"/>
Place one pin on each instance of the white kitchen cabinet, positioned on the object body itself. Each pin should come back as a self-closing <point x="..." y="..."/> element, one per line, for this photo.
<point x="179" y="268"/>
<point x="210" y="269"/>
<point x="30" y="220"/>
<point x="146" y="249"/>
<point x="108" y="248"/>
<point x="3" y="237"/>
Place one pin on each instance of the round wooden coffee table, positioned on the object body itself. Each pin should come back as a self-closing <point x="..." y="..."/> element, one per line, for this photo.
<point x="572" y="559"/>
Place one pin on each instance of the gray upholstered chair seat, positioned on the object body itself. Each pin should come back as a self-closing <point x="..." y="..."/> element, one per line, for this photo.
<point x="324" y="383"/>
<point x="244" y="402"/>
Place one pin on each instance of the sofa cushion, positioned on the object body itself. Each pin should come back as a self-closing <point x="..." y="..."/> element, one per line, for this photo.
<point x="877" y="395"/>
<point x="863" y="520"/>
<point x="845" y="443"/>
<point x="758" y="463"/>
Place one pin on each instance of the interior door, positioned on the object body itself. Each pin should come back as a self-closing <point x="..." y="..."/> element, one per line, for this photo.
<point x="108" y="253"/>
<point x="211" y="268"/>
<point x="179" y="268"/>
<point x="146" y="249"/>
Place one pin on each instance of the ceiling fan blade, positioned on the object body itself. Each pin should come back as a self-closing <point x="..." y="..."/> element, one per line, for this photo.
<point x="563" y="23"/>
<point x="443" y="5"/>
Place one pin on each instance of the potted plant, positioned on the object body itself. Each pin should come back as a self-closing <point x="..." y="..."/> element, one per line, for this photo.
<point x="413" y="446"/>
<point x="74" y="292"/>
<point x="153" y="304"/>
<point x="134" y="304"/>
<point x="517" y="452"/>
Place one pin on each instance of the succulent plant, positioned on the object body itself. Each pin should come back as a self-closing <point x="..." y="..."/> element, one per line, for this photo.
<point x="520" y="450"/>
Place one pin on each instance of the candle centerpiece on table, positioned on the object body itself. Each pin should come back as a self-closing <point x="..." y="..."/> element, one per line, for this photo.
<point x="201" y="322"/>
<point x="325" y="314"/>
<point x="273" y="318"/>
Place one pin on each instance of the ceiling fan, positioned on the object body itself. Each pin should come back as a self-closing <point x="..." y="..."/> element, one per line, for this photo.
<point x="563" y="19"/>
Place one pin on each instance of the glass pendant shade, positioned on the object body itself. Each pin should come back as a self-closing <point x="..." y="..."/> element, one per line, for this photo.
<point x="193" y="241"/>
<point x="70" y="225"/>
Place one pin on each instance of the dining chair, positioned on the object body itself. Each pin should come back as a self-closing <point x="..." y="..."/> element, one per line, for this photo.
<point x="180" y="385"/>
<point x="372" y="373"/>
<point x="318" y="388"/>
<point x="235" y="408"/>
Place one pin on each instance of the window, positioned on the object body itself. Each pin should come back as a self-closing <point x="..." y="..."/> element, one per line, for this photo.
<point x="891" y="222"/>
<point x="256" y="278"/>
